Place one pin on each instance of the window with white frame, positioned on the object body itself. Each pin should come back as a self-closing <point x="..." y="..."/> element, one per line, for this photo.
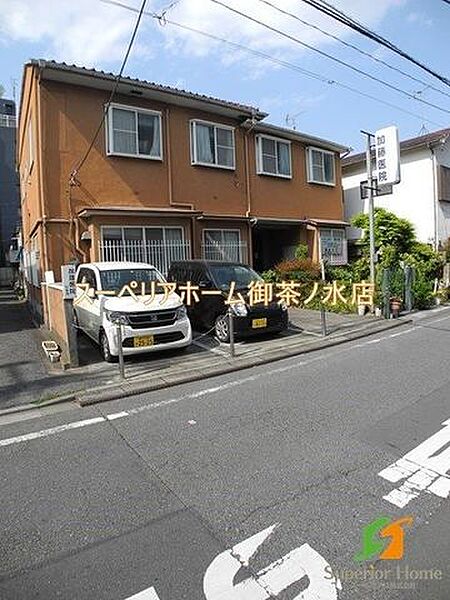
<point x="134" y="132"/>
<point x="222" y="244"/>
<point x="212" y="145"/>
<point x="273" y="156"/>
<point x="124" y="235"/>
<point x="333" y="246"/>
<point x="321" y="167"/>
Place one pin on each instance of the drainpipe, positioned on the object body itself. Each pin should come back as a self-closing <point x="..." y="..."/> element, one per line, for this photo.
<point x="435" y="198"/>
<point x="169" y="166"/>
<point x="38" y="154"/>
<point x="247" y="173"/>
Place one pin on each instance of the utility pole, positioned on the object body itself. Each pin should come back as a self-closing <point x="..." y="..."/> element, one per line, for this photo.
<point x="370" y="137"/>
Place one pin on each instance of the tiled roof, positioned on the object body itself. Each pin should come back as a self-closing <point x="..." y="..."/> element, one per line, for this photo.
<point x="74" y="69"/>
<point x="416" y="142"/>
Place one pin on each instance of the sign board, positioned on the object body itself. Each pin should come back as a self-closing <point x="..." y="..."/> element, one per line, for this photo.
<point x="68" y="281"/>
<point x="387" y="156"/>
<point x="378" y="190"/>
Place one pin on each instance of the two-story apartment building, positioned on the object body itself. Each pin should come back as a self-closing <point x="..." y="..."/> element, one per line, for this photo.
<point x="423" y="194"/>
<point x="171" y="175"/>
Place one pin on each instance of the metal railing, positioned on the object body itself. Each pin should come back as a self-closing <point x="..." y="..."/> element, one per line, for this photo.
<point x="8" y="121"/>
<point x="159" y="254"/>
<point x="229" y="252"/>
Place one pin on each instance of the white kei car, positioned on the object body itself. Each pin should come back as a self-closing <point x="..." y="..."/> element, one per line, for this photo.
<point x="148" y="324"/>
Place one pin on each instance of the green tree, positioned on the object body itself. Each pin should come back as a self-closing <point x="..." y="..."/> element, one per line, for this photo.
<point x="393" y="235"/>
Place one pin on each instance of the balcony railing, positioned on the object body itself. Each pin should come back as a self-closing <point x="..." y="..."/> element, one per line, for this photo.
<point x="157" y="253"/>
<point x="228" y="252"/>
<point x="8" y="121"/>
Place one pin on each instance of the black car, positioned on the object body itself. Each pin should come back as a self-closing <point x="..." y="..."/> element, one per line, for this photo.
<point x="211" y="310"/>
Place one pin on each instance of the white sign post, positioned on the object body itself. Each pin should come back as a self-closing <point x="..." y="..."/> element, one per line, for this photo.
<point x="69" y="293"/>
<point x="387" y="155"/>
<point x="68" y="281"/>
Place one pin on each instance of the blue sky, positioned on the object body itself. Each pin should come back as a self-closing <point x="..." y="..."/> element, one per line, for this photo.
<point x="92" y="33"/>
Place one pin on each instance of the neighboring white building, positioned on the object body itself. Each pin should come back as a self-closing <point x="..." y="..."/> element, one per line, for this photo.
<point x="422" y="196"/>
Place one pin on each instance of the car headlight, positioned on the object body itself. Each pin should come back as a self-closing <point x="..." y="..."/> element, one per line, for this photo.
<point x="181" y="312"/>
<point x="239" y="309"/>
<point x="116" y="317"/>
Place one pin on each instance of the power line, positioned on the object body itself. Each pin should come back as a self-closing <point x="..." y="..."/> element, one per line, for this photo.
<point x="76" y="170"/>
<point x="338" y="15"/>
<point x="350" y="45"/>
<point x="446" y="1"/>
<point x="278" y="61"/>
<point x="329" y="56"/>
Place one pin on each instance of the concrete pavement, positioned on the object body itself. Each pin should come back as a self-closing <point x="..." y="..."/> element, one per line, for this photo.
<point x="150" y="492"/>
<point x="36" y="382"/>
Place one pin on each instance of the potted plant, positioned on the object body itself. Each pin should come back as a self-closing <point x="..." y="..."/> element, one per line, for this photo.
<point x="395" y="304"/>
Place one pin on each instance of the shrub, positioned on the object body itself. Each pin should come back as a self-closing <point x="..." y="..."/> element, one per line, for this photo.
<point x="302" y="270"/>
<point x="302" y="251"/>
<point x="270" y="276"/>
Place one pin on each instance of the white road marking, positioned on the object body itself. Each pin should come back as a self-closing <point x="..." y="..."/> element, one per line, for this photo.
<point x="424" y="469"/>
<point x="118" y="415"/>
<point x="149" y="594"/>
<point x="51" y="431"/>
<point x="218" y="582"/>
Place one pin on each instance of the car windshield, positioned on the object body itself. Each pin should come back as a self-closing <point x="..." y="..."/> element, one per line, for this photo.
<point x="115" y="279"/>
<point x="224" y="275"/>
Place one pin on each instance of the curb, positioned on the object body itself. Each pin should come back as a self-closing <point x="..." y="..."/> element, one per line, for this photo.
<point x="126" y="389"/>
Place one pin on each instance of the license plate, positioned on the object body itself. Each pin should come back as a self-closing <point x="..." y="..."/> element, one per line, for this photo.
<point x="258" y="323"/>
<point x="143" y="341"/>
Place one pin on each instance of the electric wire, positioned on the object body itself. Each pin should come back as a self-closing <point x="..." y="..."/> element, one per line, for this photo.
<point x="329" y="56"/>
<point x="339" y="15"/>
<point x="77" y="169"/>
<point x="356" y="48"/>
<point x="277" y="61"/>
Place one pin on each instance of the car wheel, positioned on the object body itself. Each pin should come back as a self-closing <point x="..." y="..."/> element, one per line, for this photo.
<point x="105" y="350"/>
<point x="222" y="328"/>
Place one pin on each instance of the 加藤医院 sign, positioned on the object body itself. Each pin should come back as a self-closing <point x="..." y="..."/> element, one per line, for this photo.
<point x="387" y="156"/>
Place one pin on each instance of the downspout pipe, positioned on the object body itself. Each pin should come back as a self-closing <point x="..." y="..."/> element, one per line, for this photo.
<point x="435" y="198"/>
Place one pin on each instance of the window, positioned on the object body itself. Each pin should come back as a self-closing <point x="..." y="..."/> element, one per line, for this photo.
<point x="273" y="156"/>
<point x="320" y="166"/>
<point x="333" y="246"/>
<point x="242" y="276"/>
<point x="87" y="276"/>
<point x="134" y="132"/>
<point x="222" y="244"/>
<point x="159" y="246"/>
<point x="212" y="145"/>
<point x="164" y="235"/>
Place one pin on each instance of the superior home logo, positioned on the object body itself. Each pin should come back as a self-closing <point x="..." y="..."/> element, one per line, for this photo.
<point x="383" y="539"/>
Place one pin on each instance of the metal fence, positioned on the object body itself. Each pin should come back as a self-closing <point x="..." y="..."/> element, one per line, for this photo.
<point x="229" y="252"/>
<point x="8" y="121"/>
<point x="157" y="253"/>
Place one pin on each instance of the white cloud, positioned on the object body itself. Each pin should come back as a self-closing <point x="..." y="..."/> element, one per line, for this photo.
<point x="93" y="33"/>
<point x="213" y="18"/>
<point x="419" y="18"/>
<point x="87" y="32"/>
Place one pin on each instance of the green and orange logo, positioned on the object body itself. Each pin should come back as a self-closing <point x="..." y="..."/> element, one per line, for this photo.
<point x="384" y="539"/>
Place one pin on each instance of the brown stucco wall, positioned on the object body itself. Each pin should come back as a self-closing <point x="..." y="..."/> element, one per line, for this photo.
<point x="294" y="198"/>
<point x="66" y="117"/>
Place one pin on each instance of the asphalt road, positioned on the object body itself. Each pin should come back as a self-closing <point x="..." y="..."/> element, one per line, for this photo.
<point x="161" y="496"/>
